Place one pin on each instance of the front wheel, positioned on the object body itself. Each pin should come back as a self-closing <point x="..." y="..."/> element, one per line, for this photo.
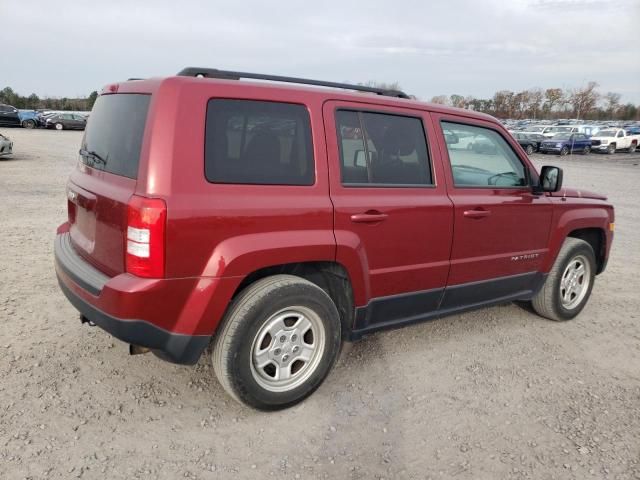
<point x="29" y="124"/>
<point x="568" y="286"/>
<point x="277" y="342"/>
<point x="611" y="149"/>
<point x="529" y="149"/>
<point x="564" y="151"/>
<point x="59" y="126"/>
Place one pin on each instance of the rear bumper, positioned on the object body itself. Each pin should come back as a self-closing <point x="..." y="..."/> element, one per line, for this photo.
<point x="173" y="347"/>
<point x="120" y="304"/>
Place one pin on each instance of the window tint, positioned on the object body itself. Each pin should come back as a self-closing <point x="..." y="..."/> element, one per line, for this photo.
<point x="480" y="157"/>
<point x="395" y="152"/>
<point x="254" y="142"/>
<point x="114" y="133"/>
<point x="620" y="133"/>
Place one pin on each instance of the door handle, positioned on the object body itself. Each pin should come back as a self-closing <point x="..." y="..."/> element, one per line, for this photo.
<point x="368" y="217"/>
<point x="477" y="213"/>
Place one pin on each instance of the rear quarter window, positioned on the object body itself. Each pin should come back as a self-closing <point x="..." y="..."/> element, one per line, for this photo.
<point x="258" y="143"/>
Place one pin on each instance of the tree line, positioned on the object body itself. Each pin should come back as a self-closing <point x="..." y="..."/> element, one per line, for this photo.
<point x="584" y="103"/>
<point x="33" y="102"/>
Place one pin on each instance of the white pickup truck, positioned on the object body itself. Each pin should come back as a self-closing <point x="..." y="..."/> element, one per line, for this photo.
<point x="611" y="139"/>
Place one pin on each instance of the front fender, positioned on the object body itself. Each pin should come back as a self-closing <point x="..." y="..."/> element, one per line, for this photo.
<point x="575" y="217"/>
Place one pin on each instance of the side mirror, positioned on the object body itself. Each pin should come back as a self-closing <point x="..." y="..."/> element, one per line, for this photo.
<point x="451" y="138"/>
<point x="359" y="158"/>
<point x="550" y="179"/>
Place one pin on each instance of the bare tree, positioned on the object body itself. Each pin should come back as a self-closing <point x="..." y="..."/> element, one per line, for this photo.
<point x="383" y="85"/>
<point x="457" y="100"/>
<point x="440" y="99"/>
<point x="535" y="101"/>
<point x="502" y="103"/>
<point x="612" y="102"/>
<point x="553" y="97"/>
<point x="584" y="99"/>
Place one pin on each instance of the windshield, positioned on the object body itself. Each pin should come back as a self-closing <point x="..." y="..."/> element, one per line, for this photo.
<point x="113" y="137"/>
<point x="607" y="133"/>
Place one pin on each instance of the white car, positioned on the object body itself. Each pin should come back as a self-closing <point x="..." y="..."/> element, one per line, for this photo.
<point x="611" y="139"/>
<point x="6" y="146"/>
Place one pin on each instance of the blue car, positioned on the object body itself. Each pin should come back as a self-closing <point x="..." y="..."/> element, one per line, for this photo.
<point x="565" y="143"/>
<point x="29" y="118"/>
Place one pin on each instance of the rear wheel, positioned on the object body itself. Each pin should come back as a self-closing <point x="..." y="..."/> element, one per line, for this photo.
<point x="529" y="149"/>
<point x="587" y="150"/>
<point x="632" y="148"/>
<point x="277" y="342"/>
<point x="29" y="124"/>
<point x="564" y="151"/>
<point x="568" y="286"/>
<point x="59" y="126"/>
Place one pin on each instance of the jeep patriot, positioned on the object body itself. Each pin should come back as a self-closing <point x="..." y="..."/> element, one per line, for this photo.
<point x="275" y="221"/>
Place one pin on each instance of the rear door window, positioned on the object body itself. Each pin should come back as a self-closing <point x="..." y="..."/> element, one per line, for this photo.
<point x="113" y="137"/>
<point x="258" y="143"/>
<point x="382" y="149"/>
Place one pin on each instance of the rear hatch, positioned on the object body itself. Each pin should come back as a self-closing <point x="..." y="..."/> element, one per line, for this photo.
<point x="100" y="188"/>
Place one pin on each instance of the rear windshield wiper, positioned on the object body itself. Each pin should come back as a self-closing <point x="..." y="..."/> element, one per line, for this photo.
<point x="92" y="155"/>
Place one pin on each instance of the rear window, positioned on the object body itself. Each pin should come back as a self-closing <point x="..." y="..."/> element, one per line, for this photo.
<point x="113" y="137"/>
<point x="259" y="143"/>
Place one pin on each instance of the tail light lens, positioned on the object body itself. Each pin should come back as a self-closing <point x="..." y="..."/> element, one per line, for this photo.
<point x="146" y="225"/>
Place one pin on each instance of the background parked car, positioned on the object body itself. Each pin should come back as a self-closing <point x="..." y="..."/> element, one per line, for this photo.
<point x="9" y="116"/>
<point x="612" y="139"/>
<point x="66" y="121"/>
<point x="29" y="118"/>
<point x="529" y="141"/>
<point x="565" y="143"/>
<point x="6" y="146"/>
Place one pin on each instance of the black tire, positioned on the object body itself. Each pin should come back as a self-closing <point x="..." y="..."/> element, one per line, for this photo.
<point x="249" y="312"/>
<point x="29" y="124"/>
<point x="611" y="149"/>
<point x="587" y="150"/>
<point x="529" y="149"/>
<point x="547" y="302"/>
<point x="632" y="148"/>
<point x="564" y="151"/>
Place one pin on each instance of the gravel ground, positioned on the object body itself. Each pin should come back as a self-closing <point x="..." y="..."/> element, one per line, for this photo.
<point x="497" y="393"/>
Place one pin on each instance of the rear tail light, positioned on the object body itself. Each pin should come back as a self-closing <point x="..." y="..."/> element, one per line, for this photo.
<point x="71" y="205"/>
<point x="146" y="224"/>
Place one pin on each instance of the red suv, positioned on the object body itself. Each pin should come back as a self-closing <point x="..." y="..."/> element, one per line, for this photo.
<point x="275" y="221"/>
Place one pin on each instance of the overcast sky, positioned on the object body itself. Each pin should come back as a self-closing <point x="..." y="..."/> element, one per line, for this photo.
<point x="468" y="47"/>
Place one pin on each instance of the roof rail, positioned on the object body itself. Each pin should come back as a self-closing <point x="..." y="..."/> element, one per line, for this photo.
<point x="229" y="75"/>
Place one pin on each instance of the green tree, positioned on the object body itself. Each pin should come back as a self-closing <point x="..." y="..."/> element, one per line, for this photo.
<point x="33" y="101"/>
<point x="93" y="96"/>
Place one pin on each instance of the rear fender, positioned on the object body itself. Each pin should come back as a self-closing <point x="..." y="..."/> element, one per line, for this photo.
<point x="235" y="258"/>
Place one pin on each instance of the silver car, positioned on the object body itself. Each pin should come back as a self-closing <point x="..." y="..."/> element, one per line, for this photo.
<point x="6" y="146"/>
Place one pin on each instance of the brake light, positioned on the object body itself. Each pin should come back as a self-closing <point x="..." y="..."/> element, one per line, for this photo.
<point x="146" y="223"/>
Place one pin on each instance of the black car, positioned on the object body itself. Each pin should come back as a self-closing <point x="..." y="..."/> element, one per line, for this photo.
<point x="66" y="121"/>
<point x="9" y="116"/>
<point x="529" y="141"/>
